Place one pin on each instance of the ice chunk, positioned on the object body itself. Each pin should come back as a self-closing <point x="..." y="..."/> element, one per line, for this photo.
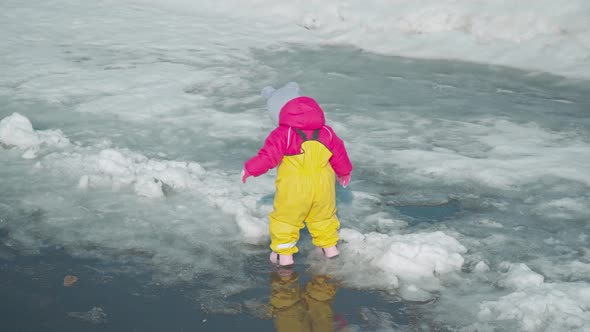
<point x="351" y="235"/>
<point x="550" y="307"/>
<point x="114" y="163"/>
<point x="413" y="263"/>
<point x="148" y="187"/>
<point x="412" y="293"/>
<point x="520" y="276"/>
<point x="481" y="267"/>
<point x="415" y="256"/>
<point x="53" y="137"/>
<point x="384" y="223"/>
<point x="17" y="130"/>
<point x="254" y="231"/>
<point x="30" y="154"/>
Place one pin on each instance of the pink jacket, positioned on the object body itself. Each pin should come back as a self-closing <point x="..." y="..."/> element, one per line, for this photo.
<point x="300" y="113"/>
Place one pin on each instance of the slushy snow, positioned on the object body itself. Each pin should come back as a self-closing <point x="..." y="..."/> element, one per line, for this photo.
<point x="125" y="130"/>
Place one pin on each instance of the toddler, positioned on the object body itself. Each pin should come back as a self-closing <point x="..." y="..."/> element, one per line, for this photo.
<point x="310" y="157"/>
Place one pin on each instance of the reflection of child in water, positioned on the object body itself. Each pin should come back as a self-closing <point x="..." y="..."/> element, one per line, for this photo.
<point x="302" y="311"/>
<point x="310" y="157"/>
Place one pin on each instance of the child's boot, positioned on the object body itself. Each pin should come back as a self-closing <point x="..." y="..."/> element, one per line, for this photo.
<point x="330" y="252"/>
<point x="281" y="260"/>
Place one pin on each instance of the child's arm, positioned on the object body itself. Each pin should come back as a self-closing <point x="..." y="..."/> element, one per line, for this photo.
<point x="339" y="161"/>
<point x="270" y="155"/>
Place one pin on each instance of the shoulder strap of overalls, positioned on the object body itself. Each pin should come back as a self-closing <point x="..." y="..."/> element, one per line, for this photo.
<point x="315" y="136"/>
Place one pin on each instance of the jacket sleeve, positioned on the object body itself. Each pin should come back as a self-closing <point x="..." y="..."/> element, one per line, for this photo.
<point x="339" y="161"/>
<point x="270" y="155"/>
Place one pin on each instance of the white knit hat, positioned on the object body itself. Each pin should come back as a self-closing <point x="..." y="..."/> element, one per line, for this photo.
<point x="277" y="98"/>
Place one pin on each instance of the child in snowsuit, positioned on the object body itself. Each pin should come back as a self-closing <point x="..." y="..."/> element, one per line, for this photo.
<point x="310" y="157"/>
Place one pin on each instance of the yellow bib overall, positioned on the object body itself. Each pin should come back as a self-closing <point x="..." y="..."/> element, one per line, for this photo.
<point x="305" y="192"/>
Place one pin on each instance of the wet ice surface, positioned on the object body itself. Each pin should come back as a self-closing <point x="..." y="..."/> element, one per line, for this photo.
<point x="110" y="297"/>
<point x="469" y="200"/>
<point x="106" y="298"/>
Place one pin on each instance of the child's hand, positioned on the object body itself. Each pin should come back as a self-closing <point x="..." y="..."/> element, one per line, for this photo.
<point x="245" y="175"/>
<point x="344" y="180"/>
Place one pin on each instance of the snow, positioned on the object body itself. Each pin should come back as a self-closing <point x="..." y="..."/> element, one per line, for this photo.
<point x="481" y="267"/>
<point x="17" y="131"/>
<point x="548" y="307"/>
<point x="534" y="35"/>
<point x="412" y="262"/>
<point x="415" y="259"/>
<point x="127" y="128"/>
<point x="520" y="276"/>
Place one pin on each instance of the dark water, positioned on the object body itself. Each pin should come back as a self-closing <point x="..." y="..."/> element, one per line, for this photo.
<point x="109" y="296"/>
<point x="35" y="299"/>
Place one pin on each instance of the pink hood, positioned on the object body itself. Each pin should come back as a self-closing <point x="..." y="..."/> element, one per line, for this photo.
<point x="302" y="113"/>
<point x="299" y="113"/>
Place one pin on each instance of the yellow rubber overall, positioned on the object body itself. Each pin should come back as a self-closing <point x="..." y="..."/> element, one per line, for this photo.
<point x="305" y="192"/>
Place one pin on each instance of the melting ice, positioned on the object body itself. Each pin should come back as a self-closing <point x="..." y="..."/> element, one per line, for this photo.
<point x="123" y="132"/>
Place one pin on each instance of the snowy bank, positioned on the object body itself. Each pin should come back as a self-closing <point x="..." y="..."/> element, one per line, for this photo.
<point x="103" y="167"/>
<point x="534" y="35"/>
